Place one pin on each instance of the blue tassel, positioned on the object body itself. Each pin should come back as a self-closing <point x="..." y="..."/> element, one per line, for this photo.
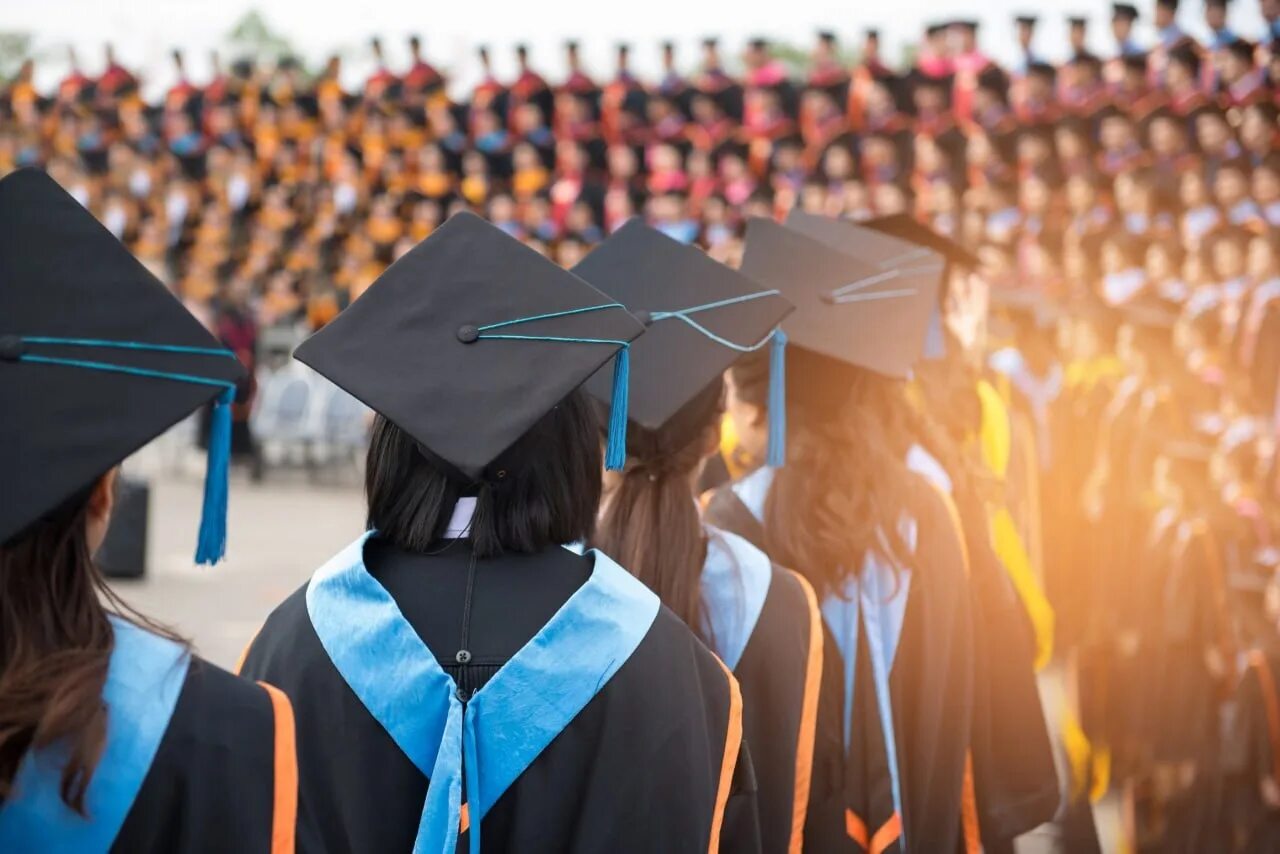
<point x="777" y="455"/>
<point x="212" y="542"/>
<point x="615" y="456"/>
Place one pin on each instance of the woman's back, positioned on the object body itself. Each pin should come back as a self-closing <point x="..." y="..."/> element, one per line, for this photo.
<point x="601" y="757"/>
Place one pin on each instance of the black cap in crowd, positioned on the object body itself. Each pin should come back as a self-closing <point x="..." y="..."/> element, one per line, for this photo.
<point x="97" y="358"/>
<point x="848" y="308"/>
<point x="701" y="317"/>
<point x="469" y="339"/>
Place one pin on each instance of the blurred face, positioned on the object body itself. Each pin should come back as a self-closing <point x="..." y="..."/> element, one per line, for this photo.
<point x="1159" y="264"/>
<point x="1212" y="133"/>
<point x="1266" y="186"/>
<point x="1228" y="260"/>
<point x="1113" y="260"/>
<point x="1116" y="133"/>
<point x="1261" y="262"/>
<point x="1230" y="187"/>
<point x="1070" y="144"/>
<point x="1080" y="195"/>
<point x="1166" y="137"/>
<point x="1215" y="16"/>
<point x="1256" y="131"/>
<point x="1192" y="190"/>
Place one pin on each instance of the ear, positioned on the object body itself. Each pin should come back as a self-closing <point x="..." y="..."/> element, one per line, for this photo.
<point x="711" y="439"/>
<point x="103" y="498"/>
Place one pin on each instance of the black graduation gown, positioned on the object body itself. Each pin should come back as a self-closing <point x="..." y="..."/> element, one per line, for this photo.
<point x="1015" y="778"/>
<point x="646" y="765"/>
<point x="931" y="687"/>
<point x="221" y="775"/>
<point x="780" y="670"/>
<point x="225" y="776"/>
<point x="1253" y="753"/>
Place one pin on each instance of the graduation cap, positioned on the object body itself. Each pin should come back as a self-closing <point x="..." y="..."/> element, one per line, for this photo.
<point x="701" y="317"/>
<point x="1242" y="49"/>
<point x="848" y="308"/>
<point x="1043" y="70"/>
<point x="906" y="237"/>
<point x="1124" y="12"/>
<point x="1026" y="20"/>
<point x="468" y="339"/>
<point x="97" y="358"/>
<point x="911" y="230"/>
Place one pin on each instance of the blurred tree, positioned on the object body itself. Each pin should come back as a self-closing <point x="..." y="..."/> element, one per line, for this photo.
<point x="253" y="38"/>
<point x="14" y="48"/>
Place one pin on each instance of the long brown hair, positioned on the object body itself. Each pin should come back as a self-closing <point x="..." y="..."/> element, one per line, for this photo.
<point x="650" y="523"/>
<point x="55" y="647"/>
<point x="844" y="489"/>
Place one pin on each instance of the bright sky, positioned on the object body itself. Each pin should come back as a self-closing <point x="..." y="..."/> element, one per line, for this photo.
<point x="145" y="30"/>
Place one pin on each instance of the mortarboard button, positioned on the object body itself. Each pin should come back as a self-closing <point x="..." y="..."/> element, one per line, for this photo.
<point x="11" y="348"/>
<point x="469" y="334"/>
<point x="462" y="656"/>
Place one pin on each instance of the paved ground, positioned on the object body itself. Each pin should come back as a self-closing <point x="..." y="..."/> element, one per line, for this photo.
<point x="279" y="532"/>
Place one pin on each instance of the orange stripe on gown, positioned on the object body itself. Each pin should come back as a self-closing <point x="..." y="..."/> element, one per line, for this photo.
<point x="808" y="718"/>
<point x="732" y="744"/>
<point x="284" y="815"/>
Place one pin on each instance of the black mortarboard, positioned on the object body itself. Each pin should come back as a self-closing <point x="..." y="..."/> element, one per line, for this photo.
<point x="895" y="242"/>
<point x="97" y="358"/>
<point x="1026" y="20"/>
<point x="911" y="230"/>
<point x="1042" y="69"/>
<point x="935" y="29"/>
<point x="847" y="308"/>
<point x="1124" y="11"/>
<point x="1242" y="48"/>
<point x="702" y="317"/>
<point x="469" y="339"/>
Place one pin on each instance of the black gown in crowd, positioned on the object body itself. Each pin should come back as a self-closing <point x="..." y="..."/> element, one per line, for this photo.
<point x="931" y="684"/>
<point x="224" y="777"/>
<point x="637" y="769"/>
<point x="781" y="674"/>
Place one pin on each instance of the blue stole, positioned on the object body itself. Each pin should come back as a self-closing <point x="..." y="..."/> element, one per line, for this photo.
<point x="144" y="679"/>
<point x="735" y="582"/>
<point x="878" y="598"/>
<point x="505" y="725"/>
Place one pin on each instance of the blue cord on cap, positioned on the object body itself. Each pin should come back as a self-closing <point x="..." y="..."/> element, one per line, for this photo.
<point x="777" y="453"/>
<point x="211" y="543"/>
<point x="616" y="449"/>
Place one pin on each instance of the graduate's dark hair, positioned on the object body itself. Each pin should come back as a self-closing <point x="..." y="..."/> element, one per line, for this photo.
<point x="650" y="523"/>
<point x="845" y="489"/>
<point x="55" y="647"/>
<point x="542" y="491"/>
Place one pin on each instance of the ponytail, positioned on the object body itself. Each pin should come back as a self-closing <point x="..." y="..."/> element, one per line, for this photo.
<point x="650" y="522"/>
